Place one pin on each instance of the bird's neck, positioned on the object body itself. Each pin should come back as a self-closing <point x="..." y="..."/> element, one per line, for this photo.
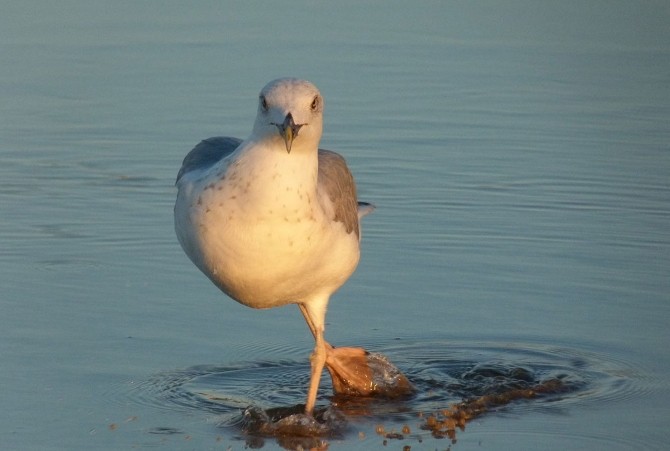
<point x="276" y="178"/>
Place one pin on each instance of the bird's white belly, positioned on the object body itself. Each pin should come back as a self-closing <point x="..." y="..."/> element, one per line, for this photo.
<point x="267" y="254"/>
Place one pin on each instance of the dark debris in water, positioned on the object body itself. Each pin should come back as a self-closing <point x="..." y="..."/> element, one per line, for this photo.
<point x="293" y="421"/>
<point x="443" y="424"/>
<point x="292" y="428"/>
<point x="443" y="395"/>
<point x="165" y="431"/>
<point x="446" y="388"/>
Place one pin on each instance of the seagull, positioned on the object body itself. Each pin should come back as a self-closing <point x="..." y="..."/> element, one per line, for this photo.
<point x="274" y="220"/>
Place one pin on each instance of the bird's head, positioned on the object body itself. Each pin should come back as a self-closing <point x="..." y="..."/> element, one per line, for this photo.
<point x="290" y="110"/>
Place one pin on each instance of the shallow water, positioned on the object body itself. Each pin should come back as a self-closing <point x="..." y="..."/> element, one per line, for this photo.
<point x="518" y="157"/>
<point x="443" y="373"/>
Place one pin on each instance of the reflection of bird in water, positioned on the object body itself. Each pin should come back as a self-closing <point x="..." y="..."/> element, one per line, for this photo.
<point x="274" y="220"/>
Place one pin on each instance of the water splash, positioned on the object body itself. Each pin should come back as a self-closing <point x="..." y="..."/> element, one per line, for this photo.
<point x="453" y="384"/>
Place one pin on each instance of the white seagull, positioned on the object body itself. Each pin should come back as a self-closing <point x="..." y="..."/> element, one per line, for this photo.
<point x="274" y="220"/>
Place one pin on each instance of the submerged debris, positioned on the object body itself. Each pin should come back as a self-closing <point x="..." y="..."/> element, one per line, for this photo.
<point x="291" y="427"/>
<point x="443" y="424"/>
<point x="292" y="421"/>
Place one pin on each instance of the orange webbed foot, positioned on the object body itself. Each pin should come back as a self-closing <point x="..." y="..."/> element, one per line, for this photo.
<point x="356" y="372"/>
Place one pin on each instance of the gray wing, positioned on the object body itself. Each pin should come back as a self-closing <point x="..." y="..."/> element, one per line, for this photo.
<point x="208" y="152"/>
<point x="336" y="181"/>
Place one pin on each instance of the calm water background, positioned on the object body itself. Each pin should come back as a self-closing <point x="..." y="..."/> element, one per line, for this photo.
<point x="518" y="153"/>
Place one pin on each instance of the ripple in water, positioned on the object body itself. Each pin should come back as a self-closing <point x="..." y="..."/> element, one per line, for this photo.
<point x="455" y="382"/>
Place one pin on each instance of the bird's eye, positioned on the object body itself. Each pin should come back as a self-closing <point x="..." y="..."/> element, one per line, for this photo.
<point x="315" y="103"/>
<point x="264" y="103"/>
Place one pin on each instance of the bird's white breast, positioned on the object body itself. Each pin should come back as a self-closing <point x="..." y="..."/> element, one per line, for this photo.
<point x="256" y="227"/>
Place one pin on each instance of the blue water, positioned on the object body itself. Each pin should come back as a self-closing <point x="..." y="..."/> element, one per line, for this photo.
<point x="518" y="155"/>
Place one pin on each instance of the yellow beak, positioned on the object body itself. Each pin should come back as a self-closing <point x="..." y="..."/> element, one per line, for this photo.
<point x="288" y="130"/>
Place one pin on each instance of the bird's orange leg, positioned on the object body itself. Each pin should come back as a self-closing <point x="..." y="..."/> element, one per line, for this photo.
<point x="318" y="360"/>
<point x="350" y="368"/>
<point x="315" y="317"/>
